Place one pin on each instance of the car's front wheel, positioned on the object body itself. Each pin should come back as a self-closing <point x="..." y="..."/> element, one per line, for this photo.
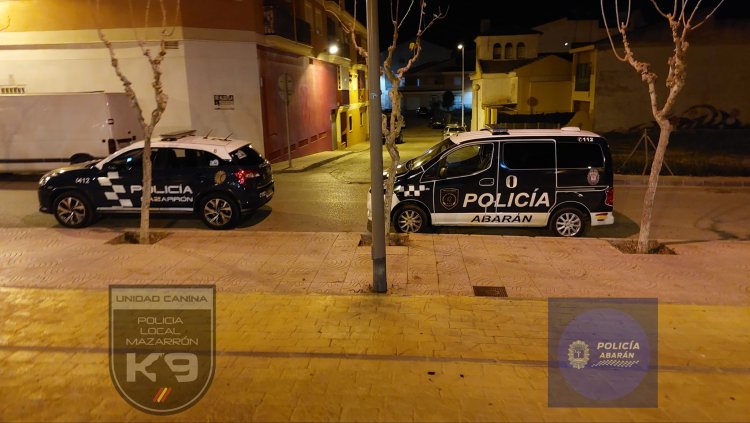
<point x="410" y="218"/>
<point x="218" y="211"/>
<point x="73" y="210"/>
<point x="568" y="222"/>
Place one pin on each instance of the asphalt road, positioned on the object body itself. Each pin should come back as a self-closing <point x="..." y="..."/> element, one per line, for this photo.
<point x="332" y="197"/>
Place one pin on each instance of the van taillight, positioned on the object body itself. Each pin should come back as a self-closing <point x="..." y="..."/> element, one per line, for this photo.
<point x="244" y="175"/>
<point x="610" y="196"/>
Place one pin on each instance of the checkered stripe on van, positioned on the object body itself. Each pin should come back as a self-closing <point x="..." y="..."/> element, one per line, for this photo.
<point x="116" y="191"/>
<point x="414" y="191"/>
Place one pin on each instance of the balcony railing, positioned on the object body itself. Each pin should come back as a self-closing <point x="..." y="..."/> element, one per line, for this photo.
<point x="279" y="21"/>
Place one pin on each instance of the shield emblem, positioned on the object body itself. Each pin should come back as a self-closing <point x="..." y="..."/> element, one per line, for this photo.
<point x="162" y="344"/>
<point x="449" y="198"/>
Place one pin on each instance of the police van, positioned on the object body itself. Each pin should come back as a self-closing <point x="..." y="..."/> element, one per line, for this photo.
<point x="556" y="178"/>
<point x="217" y="178"/>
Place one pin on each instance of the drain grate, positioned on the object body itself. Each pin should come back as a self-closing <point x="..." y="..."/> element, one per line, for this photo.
<point x="490" y="291"/>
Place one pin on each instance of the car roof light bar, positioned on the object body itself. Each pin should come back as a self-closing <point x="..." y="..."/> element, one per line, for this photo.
<point x="172" y="136"/>
<point x="496" y="129"/>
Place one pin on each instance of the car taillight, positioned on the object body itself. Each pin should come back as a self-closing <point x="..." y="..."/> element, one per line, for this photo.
<point x="610" y="196"/>
<point x="245" y="175"/>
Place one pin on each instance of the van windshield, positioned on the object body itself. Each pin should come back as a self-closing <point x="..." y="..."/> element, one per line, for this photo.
<point x="431" y="153"/>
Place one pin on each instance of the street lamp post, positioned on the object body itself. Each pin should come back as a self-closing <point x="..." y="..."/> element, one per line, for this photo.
<point x="463" y="79"/>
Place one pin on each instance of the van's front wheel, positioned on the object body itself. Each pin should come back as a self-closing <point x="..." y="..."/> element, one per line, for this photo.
<point x="410" y="218"/>
<point x="568" y="222"/>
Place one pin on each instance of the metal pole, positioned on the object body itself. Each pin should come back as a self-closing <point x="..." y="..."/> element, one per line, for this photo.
<point x="379" y="283"/>
<point x="287" y="94"/>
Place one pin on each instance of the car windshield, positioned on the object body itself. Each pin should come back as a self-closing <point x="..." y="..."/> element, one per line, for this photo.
<point x="431" y="152"/>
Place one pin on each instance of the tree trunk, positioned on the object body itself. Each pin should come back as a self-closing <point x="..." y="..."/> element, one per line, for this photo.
<point x="143" y="237"/>
<point x="665" y="130"/>
<point x="390" y="143"/>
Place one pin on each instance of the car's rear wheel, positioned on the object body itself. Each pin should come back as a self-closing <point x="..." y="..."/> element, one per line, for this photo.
<point x="568" y="222"/>
<point x="73" y="210"/>
<point x="410" y="218"/>
<point x="218" y="211"/>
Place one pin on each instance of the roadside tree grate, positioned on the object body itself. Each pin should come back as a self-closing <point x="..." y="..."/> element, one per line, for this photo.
<point x="490" y="291"/>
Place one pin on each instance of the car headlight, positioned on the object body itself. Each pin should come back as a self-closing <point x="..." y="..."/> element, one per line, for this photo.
<point x="47" y="176"/>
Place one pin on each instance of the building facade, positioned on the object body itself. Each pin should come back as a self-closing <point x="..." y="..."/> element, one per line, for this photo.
<point x="523" y="76"/>
<point x="608" y="95"/>
<point x="228" y="69"/>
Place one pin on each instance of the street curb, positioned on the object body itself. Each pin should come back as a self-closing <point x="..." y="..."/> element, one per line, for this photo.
<point x="313" y="165"/>
<point x="685" y="181"/>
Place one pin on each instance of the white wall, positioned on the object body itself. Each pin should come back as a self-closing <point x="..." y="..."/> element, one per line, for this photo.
<point x="86" y="67"/>
<point x="225" y="68"/>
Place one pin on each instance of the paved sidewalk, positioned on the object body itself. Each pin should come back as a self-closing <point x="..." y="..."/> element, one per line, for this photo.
<point x="300" y="338"/>
<point x="705" y="272"/>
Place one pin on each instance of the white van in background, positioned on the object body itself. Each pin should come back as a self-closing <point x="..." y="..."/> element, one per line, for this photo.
<point x="39" y="132"/>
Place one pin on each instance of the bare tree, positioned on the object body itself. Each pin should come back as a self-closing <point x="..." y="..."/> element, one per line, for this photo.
<point x="154" y="61"/>
<point x="684" y="17"/>
<point x="392" y="126"/>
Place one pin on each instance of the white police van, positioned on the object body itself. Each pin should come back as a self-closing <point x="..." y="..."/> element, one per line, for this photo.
<point x="556" y="178"/>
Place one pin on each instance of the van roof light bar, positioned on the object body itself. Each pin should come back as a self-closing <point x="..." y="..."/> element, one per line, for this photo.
<point x="496" y="129"/>
<point x="172" y="136"/>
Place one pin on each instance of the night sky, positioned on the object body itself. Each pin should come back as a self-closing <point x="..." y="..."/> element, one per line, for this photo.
<point x="462" y="22"/>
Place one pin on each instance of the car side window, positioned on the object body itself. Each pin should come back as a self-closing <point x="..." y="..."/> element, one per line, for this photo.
<point x="467" y="160"/>
<point x="130" y="160"/>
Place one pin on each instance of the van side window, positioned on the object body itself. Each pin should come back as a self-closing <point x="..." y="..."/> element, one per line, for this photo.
<point x="529" y="155"/>
<point x="467" y="160"/>
<point x="579" y="155"/>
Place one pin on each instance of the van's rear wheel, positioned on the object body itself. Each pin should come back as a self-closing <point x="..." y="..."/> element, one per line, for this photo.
<point x="410" y="218"/>
<point x="568" y="222"/>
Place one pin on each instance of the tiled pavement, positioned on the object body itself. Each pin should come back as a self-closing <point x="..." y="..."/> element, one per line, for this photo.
<point x="300" y="338"/>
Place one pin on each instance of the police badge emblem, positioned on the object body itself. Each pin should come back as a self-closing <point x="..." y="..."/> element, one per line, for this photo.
<point x="449" y="198"/>
<point x="162" y="347"/>
<point x="578" y="354"/>
<point x="593" y="177"/>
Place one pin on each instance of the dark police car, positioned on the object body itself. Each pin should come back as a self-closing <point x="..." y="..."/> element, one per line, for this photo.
<point x="560" y="178"/>
<point x="219" y="179"/>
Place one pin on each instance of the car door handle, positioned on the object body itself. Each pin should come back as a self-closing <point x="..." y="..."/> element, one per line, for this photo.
<point x="487" y="182"/>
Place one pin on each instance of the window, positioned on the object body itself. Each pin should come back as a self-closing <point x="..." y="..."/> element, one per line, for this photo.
<point x="350" y="123"/>
<point x="520" y="51"/>
<point x="497" y="51"/>
<point x="181" y="158"/>
<point x="579" y="156"/>
<point x="508" y="51"/>
<point x="529" y="155"/>
<point x="129" y="160"/>
<point x="583" y="76"/>
<point x="467" y="160"/>
<point x="246" y="156"/>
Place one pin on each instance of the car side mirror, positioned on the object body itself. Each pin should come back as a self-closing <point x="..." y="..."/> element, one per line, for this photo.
<point x="443" y="172"/>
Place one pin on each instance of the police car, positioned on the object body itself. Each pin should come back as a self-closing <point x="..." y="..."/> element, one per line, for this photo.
<point x="556" y="178"/>
<point x="219" y="179"/>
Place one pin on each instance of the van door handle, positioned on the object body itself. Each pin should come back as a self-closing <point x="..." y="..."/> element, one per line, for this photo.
<point x="487" y="182"/>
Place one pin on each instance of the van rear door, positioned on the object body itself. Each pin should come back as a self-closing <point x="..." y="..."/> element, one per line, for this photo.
<point x="124" y="127"/>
